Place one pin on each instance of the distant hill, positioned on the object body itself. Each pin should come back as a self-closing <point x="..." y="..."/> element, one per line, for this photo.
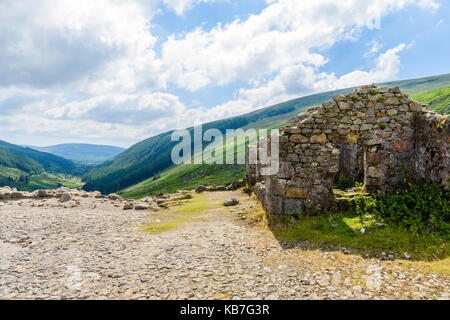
<point x="89" y="154"/>
<point x="27" y="168"/>
<point x="139" y="164"/>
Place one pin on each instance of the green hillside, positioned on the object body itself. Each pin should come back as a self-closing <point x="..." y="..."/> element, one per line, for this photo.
<point x="28" y="169"/>
<point x="152" y="156"/>
<point x="438" y="99"/>
<point x="89" y="154"/>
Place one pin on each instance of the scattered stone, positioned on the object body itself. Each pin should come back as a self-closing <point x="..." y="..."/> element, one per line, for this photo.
<point x="200" y="189"/>
<point x="141" y="206"/>
<point x="231" y="202"/>
<point x="128" y="206"/>
<point x="114" y="197"/>
<point x="65" y="197"/>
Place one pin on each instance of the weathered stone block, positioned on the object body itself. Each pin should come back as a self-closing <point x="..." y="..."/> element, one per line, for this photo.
<point x="296" y="193"/>
<point x="340" y="98"/>
<point x="297" y="138"/>
<point x="321" y="139"/>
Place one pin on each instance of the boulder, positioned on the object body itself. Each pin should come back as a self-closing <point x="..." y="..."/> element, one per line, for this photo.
<point x="42" y="193"/>
<point x="200" y="189"/>
<point x="128" y="206"/>
<point x="65" y="197"/>
<point x="237" y="185"/>
<point x="17" y="195"/>
<point x="141" y="206"/>
<point x="231" y="202"/>
<point x="97" y="194"/>
<point x="114" y="196"/>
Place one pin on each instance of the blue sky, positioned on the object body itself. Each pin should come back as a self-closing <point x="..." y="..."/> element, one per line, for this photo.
<point x="117" y="72"/>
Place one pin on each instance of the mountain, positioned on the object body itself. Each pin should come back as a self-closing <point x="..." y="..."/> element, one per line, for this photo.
<point x="89" y="154"/>
<point x="148" y="163"/>
<point x="29" y="169"/>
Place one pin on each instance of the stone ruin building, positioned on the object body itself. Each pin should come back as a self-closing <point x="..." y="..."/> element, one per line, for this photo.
<point x="373" y="135"/>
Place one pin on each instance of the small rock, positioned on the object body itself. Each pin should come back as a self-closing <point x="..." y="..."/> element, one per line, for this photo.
<point x="128" y="206"/>
<point x="65" y="197"/>
<point x="231" y="202"/>
<point x="200" y="189"/>
<point x="141" y="206"/>
<point x="114" y="196"/>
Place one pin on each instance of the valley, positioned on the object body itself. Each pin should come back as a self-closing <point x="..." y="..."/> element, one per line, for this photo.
<point x="146" y="168"/>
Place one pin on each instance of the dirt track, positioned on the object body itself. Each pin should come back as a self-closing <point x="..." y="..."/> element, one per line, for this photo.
<point x="97" y="251"/>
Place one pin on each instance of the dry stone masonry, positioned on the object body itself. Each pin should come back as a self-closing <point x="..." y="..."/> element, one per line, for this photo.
<point x="373" y="135"/>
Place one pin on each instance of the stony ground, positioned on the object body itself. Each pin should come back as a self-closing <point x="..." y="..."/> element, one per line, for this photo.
<point x="96" y="250"/>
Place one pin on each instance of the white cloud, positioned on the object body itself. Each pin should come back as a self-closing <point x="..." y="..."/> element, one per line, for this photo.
<point x="286" y="33"/>
<point x="97" y="46"/>
<point x="297" y="80"/>
<point x="180" y="6"/>
<point x="429" y="4"/>
<point x="375" y="47"/>
<point x="130" y="109"/>
<point x="79" y="70"/>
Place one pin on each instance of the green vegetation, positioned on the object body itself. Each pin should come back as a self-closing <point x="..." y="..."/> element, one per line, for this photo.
<point x="185" y="177"/>
<point x="418" y="207"/>
<point x="149" y="157"/>
<point x="178" y="215"/>
<point x="343" y="229"/>
<point x="28" y="169"/>
<point x="438" y="99"/>
<point x="152" y="156"/>
<point x="415" y="219"/>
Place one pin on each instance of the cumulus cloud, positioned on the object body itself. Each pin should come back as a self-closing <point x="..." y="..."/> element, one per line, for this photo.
<point x="297" y="80"/>
<point x="97" y="45"/>
<point x="80" y="70"/>
<point x="131" y="109"/>
<point x="286" y="33"/>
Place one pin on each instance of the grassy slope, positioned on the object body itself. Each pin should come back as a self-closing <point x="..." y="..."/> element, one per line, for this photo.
<point x="42" y="170"/>
<point x="151" y="156"/>
<point x="189" y="177"/>
<point x="438" y="99"/>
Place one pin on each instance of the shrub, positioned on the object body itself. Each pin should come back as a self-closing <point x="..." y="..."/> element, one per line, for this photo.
<point x="421" y="207"/>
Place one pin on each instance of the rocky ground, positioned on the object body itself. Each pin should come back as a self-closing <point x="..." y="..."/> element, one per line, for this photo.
<point x="89" y="247"/>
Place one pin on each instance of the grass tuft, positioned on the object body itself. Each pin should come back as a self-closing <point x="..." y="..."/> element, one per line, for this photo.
<point x="182" y="214"/>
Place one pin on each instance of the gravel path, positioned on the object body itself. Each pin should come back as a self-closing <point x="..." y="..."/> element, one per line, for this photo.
<point x="95" y="250"/>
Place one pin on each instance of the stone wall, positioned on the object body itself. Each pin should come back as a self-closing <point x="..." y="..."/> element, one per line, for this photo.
<point x="375" y="134"/>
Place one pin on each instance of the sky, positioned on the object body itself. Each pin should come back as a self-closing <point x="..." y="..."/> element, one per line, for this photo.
<point x="117" y="72"/>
